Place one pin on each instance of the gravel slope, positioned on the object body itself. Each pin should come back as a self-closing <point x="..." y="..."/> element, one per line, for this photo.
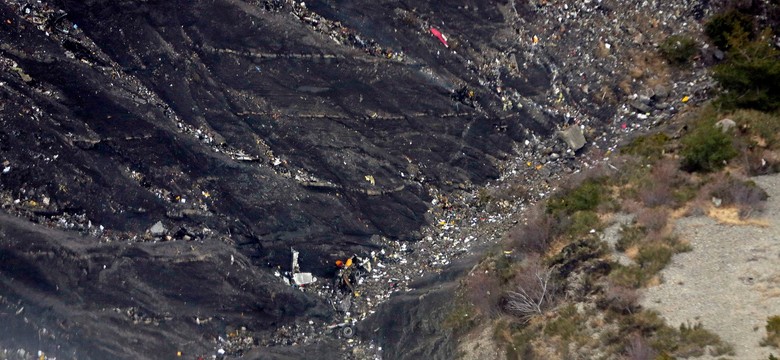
<point x="730" y="282"/>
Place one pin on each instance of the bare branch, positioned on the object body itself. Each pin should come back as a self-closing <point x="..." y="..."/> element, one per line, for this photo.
<point x="534" y="293"/>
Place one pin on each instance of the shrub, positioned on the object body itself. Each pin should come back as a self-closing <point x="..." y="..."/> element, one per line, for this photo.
<point x="587" y="196"/>
<point x="678" y="49"/>
<point x="652" y="258"/>
<point x="535" y="236"/>
<point x="621" y="299"/>
<point x="628" y="276"/>
<point x="656" y="190"/>
<point x="461" y="317"/>
<point x="535" y="292"/>
<point x="645" y="323"/>
<point x="751" y="76"/>
<point x="638" y="349"/>
<point x="581" y="223"/>
<point x="654" y="220"/>
<point x="650" y="146"/>
<point x="483" y="290"/>
<point x="772" y="331"/>
<point x="566" y="324"/>
<point x="762" y="129"/>
<point x="746" y="195"/>
<point x="690" y="340"/>
<point x="630" y="235"/>
<point x="706" y="149"/>
<point x="577" y="253"/>
<point x="722" y="25"/>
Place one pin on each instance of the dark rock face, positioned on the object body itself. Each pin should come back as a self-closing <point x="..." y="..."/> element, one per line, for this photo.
<point x="245" y="128"/>
<point x="131" y="301"/>
<point x="417" y="328"/>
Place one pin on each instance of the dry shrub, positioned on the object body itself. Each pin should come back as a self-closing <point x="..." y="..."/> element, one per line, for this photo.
<point x="630" y="206"/>
<point x="535" y="236"/>
<point x="593" y="174"/>
<point x="536" y="290"/>
<point x="656" y="194"/>
<point x="653" y="220"/>
<point x="762" y="162"/>
<point x="639" y="349"/>
<point x="483" y="290"/>
<point x="621" y="299"/>
<point x="745" y="195"/>
<point x="658" y="189"/>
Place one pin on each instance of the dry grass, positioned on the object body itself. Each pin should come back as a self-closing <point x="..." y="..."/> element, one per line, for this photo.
<point x="731" y="216"/>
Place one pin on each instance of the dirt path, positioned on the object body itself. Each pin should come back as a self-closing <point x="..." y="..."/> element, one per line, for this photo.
<point x="730" y="282"/>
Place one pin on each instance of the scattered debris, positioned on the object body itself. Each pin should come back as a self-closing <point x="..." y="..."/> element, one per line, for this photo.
<point x="300" y="278"/>
<point x="440" y="36"/>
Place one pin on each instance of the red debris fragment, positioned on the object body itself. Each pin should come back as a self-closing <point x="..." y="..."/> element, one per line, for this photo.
<point x="440" y="36"/>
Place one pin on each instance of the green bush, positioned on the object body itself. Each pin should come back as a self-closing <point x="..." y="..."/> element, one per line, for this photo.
<point x="751" y="76"/>
<point x="722" y="25"/>
<point x="772" y="331"/>
<point x="566" y="324"/>
<point x="461" y="318"/>
<point x="652" y="258"/>
<point x="706" y="149"/>
<point x="630" y="235"/>
<point x="689" y="340"/>
<point x="585" y="197"/>
<point x="759" y="126"/>
<point x="678" y="49"/>
<point x="628" y="276"/>
<point x="650" y="146"/>
<point x="582" y="222"/>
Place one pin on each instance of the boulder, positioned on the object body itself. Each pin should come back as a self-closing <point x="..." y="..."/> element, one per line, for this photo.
<point x="573" y="137"/>
<point x="725" y="124"/>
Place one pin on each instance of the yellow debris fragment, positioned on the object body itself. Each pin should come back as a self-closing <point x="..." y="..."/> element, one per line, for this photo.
<point x="685" y="99"/>
<point x="370" y="178"/>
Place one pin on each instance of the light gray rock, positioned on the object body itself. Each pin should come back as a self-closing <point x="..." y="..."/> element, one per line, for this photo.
<point x="725" y="124"/>
<point x="660" y="92"/>
<point x="573" y="137"/>
<point x="158" y="229"/>
<point x="641" y="106"/>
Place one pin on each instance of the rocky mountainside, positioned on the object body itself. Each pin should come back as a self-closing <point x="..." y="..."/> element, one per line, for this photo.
<point x="160" y="158"/>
